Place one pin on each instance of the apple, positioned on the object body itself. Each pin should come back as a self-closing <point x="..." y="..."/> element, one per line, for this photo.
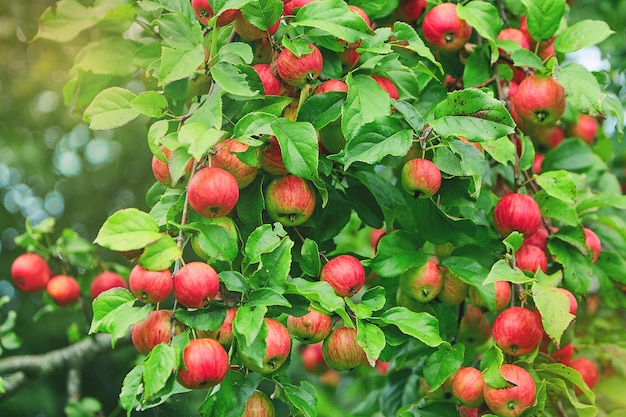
<point x="366" y="19"/>
<point x="313" y="359"/>
<point x="195" y="284"/>
<point x="593" y="243"/>
<point x="467" y="386"/>
<point x="513" y="34"/>
<point x="388" y="85"/>
<point x="290" y="200"/>
<point x="539" y="101"/>
<point x="517" y="331"/>
<point x="410" y="10"/>
<point x="248" y="32"/>
<point x="467" y="411"/>
<point x="422" y="283"/>
<point x="564" y="355"/>
<point x="530" y="257"/>
<point x="212" y="192"/>
<point x="475" y="327"/>
<point x="272" y="85"/>
<point x="150" y="286"/>
<point x="105" y="281"/>
<point x="375" y="236"/>
<point x="548" y="137"/>
<point x="311" y="328"/>
<point x="331" y="85"/>
<point x="161" y="170"/>
<point x="503" y="295"/>
<point x="63" y="289"/>
<point x="298" y="70"/>
<point x="204" y="12"/>
<point x="204" y="364"/>
<point x="158" y="327"/>
<point x="382" y="368"/>
<point x="341" y="350"/>
<point x="30" y="272"/>
<point x="537" y="163"/>
<point x="277" y="348"/>
<point x="225" y="222"/>
<point x="540" y="237"/>
<point x="291" y="6"/>
<point x="272" y="158"/>
<point x="349" y="57"/>
<point x="516" y="211"/>
<point x="223" y="334"/>
<point x="511" y="401"/>
<point x="573" y="303"/>
<point x="587" y="370"/>
<point x="420" y="177"/>
<point x="225" y="157"/>
<point x="453" y="289"/>
<point x="345" y="274"/>
<point x="585" y="128"/>
<point x="330" y="379"/>
<point x="259" y="405"/>
<point x="444" y="30"/>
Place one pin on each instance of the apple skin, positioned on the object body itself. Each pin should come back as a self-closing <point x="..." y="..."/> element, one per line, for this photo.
<point x="422" y="283"/>
<point x="467" y="386"/>
<point x="503" y="295"/>
<point x="453" y="290"/>
<point x="511" y="401"/>
<point x="63" y="289"/>
<point x="444" y="30"/>
<point x="517" y="331"/>
<point x="223" y="334"/>
<point x="332" y="85"/>
<point x="158" y="327"/>
<point x="272" y="85"/>
<point x="420" y="177"/>
<point x="345" y="274"/>
<point x="204" y="364"/>
<point x="313" y="359"/>
<point x="513" y="34"/>
<point x="410" y="10"/>
<point x="105" y="281"/>
<point x="30" y="272"/>
<point x="573" y="303"/>
<point x="247" y="31"/>
<point x="290" y="200"/>
<point x="277" y="348"/>
<point x="259" y="405"/>
<point x="272" y="158"/>
<point x="204" y="13"/>
<point x="291" y="6"/>
<point x="475" y="328"/>
<point x="161" y="170"/>
<point x="225" y="157"/>
<point x="311" y="328"/>
<point x="564" y="355"/>
<point x="388" y="85"/>
<point x="341" y="350"/>
<point x="588" y="370"/>
<point x="593" y="243"/>
<point x="530" y="257"/>
<point x="585" y="128"/>
<point x="150" y="286"/>
<point x="196" y="284"/>
<point x="519" y="212"/>
<point x="212" y="192"/>
<point x="296" y="70"/>
<point x="539" y="101"/>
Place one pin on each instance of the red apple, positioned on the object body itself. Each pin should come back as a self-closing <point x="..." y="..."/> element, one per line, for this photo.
<point x="272" y="158"/>
<point x="422" y="283"/>
<point x="366" y="19"/>
<point x="513" y="34"/>
<point x="272" y="85"/>
<point x="204" y="364"/>
<point x="298" y="70"/>
<point x="332" y="85"/>
<point x="444" y="30"/>
<point x="161" y="170"/>
<point x="511" y="401"/>
<point x="564" y="355"/>
<point x="63" y="289"/>
<point x="540" y="237"/>
<point x="105" y="281"/>
<point x="313" y="359"/>
<point x="537" y="163"/>
<point x="196" y="284"/>
<point x="292" y="6"/>
<point x="311" y="328"/>
<point x="277" y="348"/>
<point x="382" y="368"/>
<point x="225" y="157"/>
<point x="150" y="286"/>
<point x="259" y="405"/>
<point x="349" y="57"/>
<point x="453" y="290"/>
<point x="30" y="272"/>
<point x="420" y="177"/>
<point x="548" y="137"/>
<point x="530" y="257"/>
<point x="503" y="295"/>
<point x="588" y="370"/>
<point x="475" y="328"/>
<point x="593" y="243"/>
<point x="573" y="303"/>
<point x="341" y="350"/>
<point x="539" y="101"/>
<point x="204" y="12"/>
<point x="467" y="411"/>
<point x="388" y="85"/>
<point x="213" y="192"/>
<point x="247" y="31"/>
<point x="223" y="334"/>
<point x="518" y="212"/>
<point x="410" y="10"/>
<point x="467" y="386"/>
<point x="345" y="274"/>
<point x="517" y="331"/>
<point x="158" y="327"/>
<point x="290" y="200"/>
<point x="585" y="128"/>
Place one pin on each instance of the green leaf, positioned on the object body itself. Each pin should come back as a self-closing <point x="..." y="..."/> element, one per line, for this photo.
<point x="320" y="292"/>
<point x="405" y="32"/>
<point x="490" y="365"/>
<point x="322" y="109"/>
<point x="177" y="64"/>
<point x="474" y="114"/>
<point x="68" y="18"/>
<point x="161" y="254"/>
<point x="150" y="103"/>
<point x="442" y="364"/>
<point x="502" y="150"/>
<point x="234" y="281"/>
<point x="179" y="32"/>
<point x="264" y="239"/>
<point x="558" y="184"/>
<point x="582" y="89"/>
<point x="333" y="17"/>
<point x="199" y="137"/>
<point x="565" y="373"/>
<point x="254" y="124"/>
<point x="236" y="79"/>
<point x="614" y="108"/>
<point x="397" y="252"/>
<point x="501" y="271"/>
<point x="109" y="56"/>
<point x="262" y="13"/>
<point x="556" y="208"/>
<point x="422" y="326"/>
<point x="577" y="271"/>
<point x="554" y="307"/>
<point x="128" y="229"/>
<point x="267" y="297"/>
<point x="110" y="109"/>
<point x="371" y="338"/>
<point x="366" y="101"/>
<point x="201" y="319"/>
<point x="298" y="146"/>
<point x="230" y="399"/>
<point x="482" y="17"/>
<point x="524" y="58"/>
<point x="157" y="368"/>
<point x="209" y="112"/>
<point x="388" y="197"/>
<point x="374" y="298"/>
<point x="582" y="34"/>
<point x="216" y="242"/>
<point x="131" y="389"/>
<point x="302" y="399"/>
<point x="310" y="260"/>
<point x="478" y="66"/>
<point x="248" y="324"/>
<point x="544" y="17"/>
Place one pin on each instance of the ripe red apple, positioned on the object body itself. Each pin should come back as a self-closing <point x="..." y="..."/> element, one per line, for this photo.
<point x="30" y="272"/>
<point x="593" y="243"/>
<point x="311" y="328"/>
<point x="161" y="170"/>
<point x="548" y="137"/>
<point x="530" y="257"/>
<point x="420" y="177"/>
<point x="410" y="10"/>
<point x="475" y="327"/>
<point x="516" y="211"/>
<point x="298" y="70"/>
<point x="513" y="34"/>
<point x="272" y="85"/>
<point x="422" y="283"/>
<point x="204" y="12"/>
<point x="277" y="348"/>
<point x="313" y="359"/>
<point x="105" y="281"/>
<point x="564" y="355"/>
<point x="332" y="85"/>
<point x="444" y="30"/>
<point x="212" y="192"/>
<point x="349" y="57"/>
<point x="388" y="85"/>
<point x="204" y="364"/>
<point x="517" y="331"/>
<point x="382" y="368"/>
<point x="588" y="370"/>
<point x="150" y="286"/>
<point x="503" y="295"/>
<point x="158" y="327"/>
<point x="366" y="19"/>
<point x="345" y="274"/>
<point x="225" y="157"/>
<point x="341" y="350"/>
<point x="223" y="334"/>
<point x="63" y="289"/>
<point x="292" y="6"/>
<point x="537" y="163"/>
<point x="247" y="31"/>
<point x="467" y="411"/>
<point x="196" y="284"/>
<point x="272" y="158"/>
<point x="539" y="101"/>
<point x="467" y="386"/>
<point x="453" y="290"/>
<point x="585" y="128"/>
<point x="259" y="405"/>
<point x="290" y="200"/>
<point x="513" y="400"/>
<point x="573" y="303"/>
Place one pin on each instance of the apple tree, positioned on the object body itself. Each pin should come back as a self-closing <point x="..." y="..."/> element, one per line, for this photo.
<point x="412" y="200"/>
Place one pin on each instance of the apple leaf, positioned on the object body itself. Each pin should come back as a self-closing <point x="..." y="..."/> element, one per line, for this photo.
<point x="128" y="229"/>
<point x="397" y="252"/>
<point x="461" y="159"/>
<point x="442" y="364"/>
<point x="371" y="338"/>
<point x="199" y="138"/>
<point x="388" y="197"/>
<point x="405" y="32"/>
<point x="150" y="103"/>
<point x="558" y="184"/>
<point x="234" y="281"/>
<point x="478" y="67"/>
<point x="267" y="297"/>
<point x="322" y="109"/>
<point x="157" y="368"/>
<point x="274" y="267"/>
<point x="110" y="109"/>
<point x="160" y="254"/>
<point x="554" y="307"/>
<point x="302" y="400"/>
<point x="501" y="149"/>
<point x="321" y="293"/>
<point x="544" y="17"/>
<point x="264" y="239"/>
<point x="501" y="271"/>
<point x="113" y="56"/>
<point x="524" y="58"/>
<point x="216" y="242"/>
<point x="582" y="89"/>
<point x="422" y="326"/>
<point x="483" y="17"/>
<point x="374" y="298"/>
<point x="201" y="319"/>
<point x="577" y="270"/>
<point x="614" y="109"/>
<point x="310" y="258"/>
<point x="254" y="124"/>
<point x="238" y="80"/>
<point x="248" y="326"/>
<point x="565" y="373"/>
<point x="582" y="34"/>
<point x="490" y="364"/>
<point x="333" y="17"/>
<point x="556" y="208"/>
<point x="177" y="64"/>
<point x="230" y="399"/>
<point x="262" y="13"/>
<point x="132" y="388"/>
<point x="366" y="101"/>
<point x="299" y="147"/>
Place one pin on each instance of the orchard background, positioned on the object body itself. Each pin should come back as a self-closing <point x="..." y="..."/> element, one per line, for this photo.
<point x="86" y="91"/>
